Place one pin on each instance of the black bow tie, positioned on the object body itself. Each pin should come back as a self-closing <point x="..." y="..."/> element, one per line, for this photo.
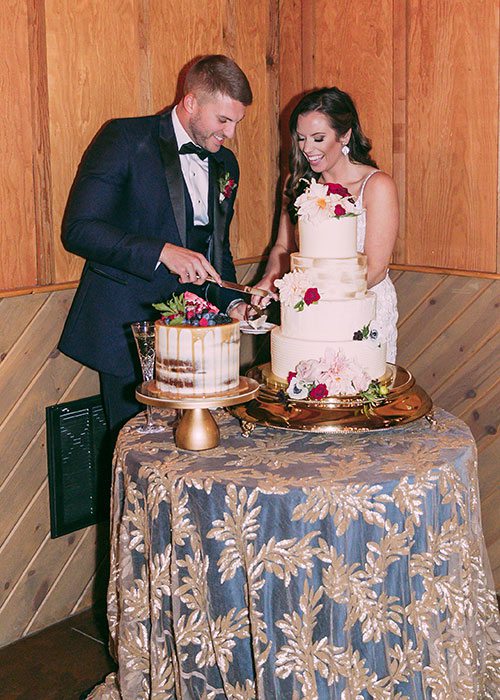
<point x="193" y="148"/>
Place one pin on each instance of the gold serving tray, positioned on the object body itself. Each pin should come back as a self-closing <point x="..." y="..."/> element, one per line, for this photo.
<point x="405" y="402"/>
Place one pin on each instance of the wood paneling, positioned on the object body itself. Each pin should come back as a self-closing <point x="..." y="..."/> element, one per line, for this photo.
<point x="353" y="49"/>
<point x="291" y="57"/>
<point x="42" y="580"/>
<point x="92" y="76"/>
<point x="257" y="141"/>
<point x="452" y="134"/>
<point x="17" y="219"/>
<point x="424" y="76"/>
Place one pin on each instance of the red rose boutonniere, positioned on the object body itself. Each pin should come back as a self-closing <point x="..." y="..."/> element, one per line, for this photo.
<point x="226" y="186"/>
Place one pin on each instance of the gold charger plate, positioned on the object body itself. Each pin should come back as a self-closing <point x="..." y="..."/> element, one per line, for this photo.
<point x="405" y="402"/>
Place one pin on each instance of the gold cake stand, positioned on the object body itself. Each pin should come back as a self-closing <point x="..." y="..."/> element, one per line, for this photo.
<point x="196" y="429"/>
<point x="405" y="402"/>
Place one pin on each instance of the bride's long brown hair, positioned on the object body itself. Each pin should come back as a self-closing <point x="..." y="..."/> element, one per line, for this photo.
<point x="341" y="112"/>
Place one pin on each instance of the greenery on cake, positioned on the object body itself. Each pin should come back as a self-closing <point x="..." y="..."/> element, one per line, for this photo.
<point x="188" y="309"/>
<point x="320" y="202"/>
<point x="334" y="374"/>
<point x="297" y="290"/>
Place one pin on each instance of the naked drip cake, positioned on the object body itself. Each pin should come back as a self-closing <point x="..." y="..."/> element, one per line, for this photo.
<point x="197" y="348"/>
<point x="327" y="344"/>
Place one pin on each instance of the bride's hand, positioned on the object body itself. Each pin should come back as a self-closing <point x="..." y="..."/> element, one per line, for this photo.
<point x="266" y="283"/>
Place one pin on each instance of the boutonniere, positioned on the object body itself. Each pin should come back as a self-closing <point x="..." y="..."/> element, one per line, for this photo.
<point x="226" y="186"/>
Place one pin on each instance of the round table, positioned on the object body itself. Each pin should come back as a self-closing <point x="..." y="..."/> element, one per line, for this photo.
<point x="299" y="565"/>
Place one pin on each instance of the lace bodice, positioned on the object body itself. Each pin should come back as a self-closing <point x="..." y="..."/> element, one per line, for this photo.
<point x="387" y="312"/>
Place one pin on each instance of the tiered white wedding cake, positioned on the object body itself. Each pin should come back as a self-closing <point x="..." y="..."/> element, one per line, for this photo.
<point x="326" y="344"/>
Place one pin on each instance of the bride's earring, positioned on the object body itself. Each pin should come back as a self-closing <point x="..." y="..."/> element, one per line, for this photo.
<point x="345" y="149"/>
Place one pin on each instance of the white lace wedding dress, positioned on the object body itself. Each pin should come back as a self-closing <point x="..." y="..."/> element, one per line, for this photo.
<point x="387" y="310"/>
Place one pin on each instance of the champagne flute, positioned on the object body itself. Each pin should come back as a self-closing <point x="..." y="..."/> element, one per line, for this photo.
<point x="144" y="336"/>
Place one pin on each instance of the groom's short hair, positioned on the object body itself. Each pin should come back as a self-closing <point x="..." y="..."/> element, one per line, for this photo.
<point x="217" y="73"/>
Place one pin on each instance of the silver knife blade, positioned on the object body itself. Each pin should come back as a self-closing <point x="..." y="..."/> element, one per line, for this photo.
<point x="244" y="288"/>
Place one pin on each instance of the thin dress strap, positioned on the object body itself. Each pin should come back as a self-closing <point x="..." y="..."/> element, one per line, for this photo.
<point x="360" y="197"/>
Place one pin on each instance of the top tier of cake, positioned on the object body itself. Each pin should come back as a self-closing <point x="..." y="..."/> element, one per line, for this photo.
<point x="331" y="238"/>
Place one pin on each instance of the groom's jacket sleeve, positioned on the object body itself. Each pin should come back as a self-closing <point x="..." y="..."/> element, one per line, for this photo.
<point x="111" y="217"/>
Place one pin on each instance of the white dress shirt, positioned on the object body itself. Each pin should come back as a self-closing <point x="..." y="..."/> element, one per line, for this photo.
<point x="195" y="172"/>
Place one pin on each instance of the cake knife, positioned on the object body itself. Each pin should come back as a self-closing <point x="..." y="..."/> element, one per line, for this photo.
<point x="245" y="288"/>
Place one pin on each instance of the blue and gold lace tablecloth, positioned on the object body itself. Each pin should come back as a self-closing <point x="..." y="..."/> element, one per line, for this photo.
<point x="297" y="565"/>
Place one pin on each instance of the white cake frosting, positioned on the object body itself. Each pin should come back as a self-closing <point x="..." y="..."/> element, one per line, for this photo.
<point x="329" y="265"/>
<point x="197" y="361"/>
<point x="317" y="241"/>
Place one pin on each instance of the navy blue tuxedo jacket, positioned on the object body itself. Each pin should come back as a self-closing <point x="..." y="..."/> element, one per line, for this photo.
<point x="127" y="201"/>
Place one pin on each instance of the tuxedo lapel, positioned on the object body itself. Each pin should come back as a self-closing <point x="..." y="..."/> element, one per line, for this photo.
<point x="173" y="173"/>
<point x="220" y="210"/>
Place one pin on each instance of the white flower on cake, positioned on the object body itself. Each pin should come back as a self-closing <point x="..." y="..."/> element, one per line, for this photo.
<point x="334" y="374"/>
<point x="321" y="202"/>
<point x="293" y="286"/>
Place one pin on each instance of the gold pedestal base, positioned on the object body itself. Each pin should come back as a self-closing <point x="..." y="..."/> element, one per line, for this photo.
<point x="196" y="430"/>
<point x="404" y="403"/>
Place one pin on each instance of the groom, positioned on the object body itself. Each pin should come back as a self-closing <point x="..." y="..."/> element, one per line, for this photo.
<point x="149" y="211"/>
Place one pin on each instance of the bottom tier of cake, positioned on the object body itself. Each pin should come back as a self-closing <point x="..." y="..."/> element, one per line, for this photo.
<point x="286" y="354"/>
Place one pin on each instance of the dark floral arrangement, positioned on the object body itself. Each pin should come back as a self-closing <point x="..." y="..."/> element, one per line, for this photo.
<point x="188" y="309"/>
<point x="365" y="333"/>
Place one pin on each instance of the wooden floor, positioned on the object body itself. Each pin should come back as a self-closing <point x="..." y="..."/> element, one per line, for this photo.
<point x="59" y="663"/>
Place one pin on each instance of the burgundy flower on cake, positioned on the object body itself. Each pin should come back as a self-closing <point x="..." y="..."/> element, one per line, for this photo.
<point x="339" y="210"/>
<point x="336" y="188"/>
<point x="318" y="392"/>
<point x="311" y="296"/>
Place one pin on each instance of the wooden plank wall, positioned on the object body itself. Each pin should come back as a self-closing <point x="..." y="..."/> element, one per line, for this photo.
<point x="42" y="580"/>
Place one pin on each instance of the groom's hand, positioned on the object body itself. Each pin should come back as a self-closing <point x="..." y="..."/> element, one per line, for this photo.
<point x="190" y="266"/>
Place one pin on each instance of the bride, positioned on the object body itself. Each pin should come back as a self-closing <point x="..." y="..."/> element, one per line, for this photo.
<point x="329" y="146"/>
